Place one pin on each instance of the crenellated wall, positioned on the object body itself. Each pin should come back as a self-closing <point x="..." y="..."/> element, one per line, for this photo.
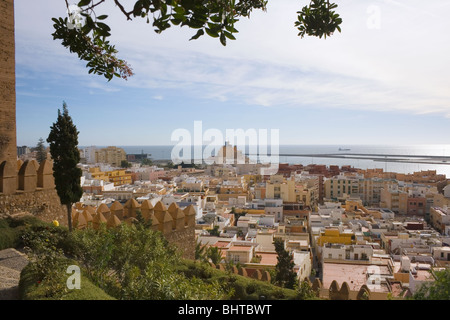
<point x="28" y="187"/>
<point x="177" y="226"/>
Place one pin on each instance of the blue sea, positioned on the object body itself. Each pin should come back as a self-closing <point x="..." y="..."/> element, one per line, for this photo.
<point x="164" y="153"/>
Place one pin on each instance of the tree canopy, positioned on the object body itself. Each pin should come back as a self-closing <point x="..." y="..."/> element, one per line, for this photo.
<point x="63" y="140"/>
<point x="85" y="30"/>
<point x="439" y="289"/>
<point x="41" y="154"/>
<point x="285" y="275"/>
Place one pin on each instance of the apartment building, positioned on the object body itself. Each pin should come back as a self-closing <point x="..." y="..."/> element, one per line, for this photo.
<point x="110" y="155"/>
<point x="440" y="218"/>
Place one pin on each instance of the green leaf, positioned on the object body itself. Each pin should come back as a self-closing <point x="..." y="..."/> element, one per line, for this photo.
<point x="198" y="34"/>
<point x="211" y="33"/>
<point x="102" y="17"/>
<point x="223" y="39"/>
<point x="103" y="26"/>
<point x="83" y="3"/>
<point x="229" y="35"/>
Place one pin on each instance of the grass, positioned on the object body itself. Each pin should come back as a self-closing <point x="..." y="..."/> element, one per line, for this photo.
<point x="30" y="289"/>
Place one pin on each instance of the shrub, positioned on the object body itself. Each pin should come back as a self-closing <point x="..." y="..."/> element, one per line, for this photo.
<point x="133" y="262"/>
<point x="11" y="230"/>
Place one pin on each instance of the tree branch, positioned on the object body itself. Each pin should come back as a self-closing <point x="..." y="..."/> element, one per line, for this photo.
<point x="127" y="14"/>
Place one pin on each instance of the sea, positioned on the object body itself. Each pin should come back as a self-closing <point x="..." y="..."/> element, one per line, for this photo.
<point x="311" y="154"/>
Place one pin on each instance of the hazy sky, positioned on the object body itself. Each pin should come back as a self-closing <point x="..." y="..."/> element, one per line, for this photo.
<point x="384" y="80"/>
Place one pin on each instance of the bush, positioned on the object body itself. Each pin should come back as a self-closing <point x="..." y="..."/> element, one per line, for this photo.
<point x="133" y="262"/>
<point x="12" y="230"/>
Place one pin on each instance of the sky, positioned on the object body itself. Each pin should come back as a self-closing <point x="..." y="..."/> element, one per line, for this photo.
<point x="384" y="80"/>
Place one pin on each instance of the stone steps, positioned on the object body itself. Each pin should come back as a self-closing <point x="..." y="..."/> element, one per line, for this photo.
<point x="11" y="264"/>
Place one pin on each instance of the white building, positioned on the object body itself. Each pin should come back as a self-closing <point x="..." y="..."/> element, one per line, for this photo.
<point x="303" y="263"/>
<point x="89" y="154"/>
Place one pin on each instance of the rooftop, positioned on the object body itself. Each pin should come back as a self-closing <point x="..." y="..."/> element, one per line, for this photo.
<point x="355" y="275"/>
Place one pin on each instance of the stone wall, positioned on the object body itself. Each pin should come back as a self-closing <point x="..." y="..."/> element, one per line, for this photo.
<point x="184" y="240"/>
<point x="44" y="204"/>
<point x="29" y="187"/>
<point x="8" y="147"/>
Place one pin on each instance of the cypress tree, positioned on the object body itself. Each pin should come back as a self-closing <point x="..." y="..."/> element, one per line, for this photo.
<point x="40" y="149"/>
<point x="285" y="275"/>
<point x="63" y="140"/>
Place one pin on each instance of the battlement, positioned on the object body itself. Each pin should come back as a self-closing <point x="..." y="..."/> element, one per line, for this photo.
<point x="28" y="187"/>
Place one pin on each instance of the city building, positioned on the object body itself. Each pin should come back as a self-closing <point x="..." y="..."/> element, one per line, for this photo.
<point x="110" y="155"/>
<point x="440" y="219"/>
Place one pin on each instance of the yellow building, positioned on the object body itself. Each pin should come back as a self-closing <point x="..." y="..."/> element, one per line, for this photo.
<point x="278" y="188"/>
<point x="226" y="192"/>
<point x="118" y="177"/>
<point x="333" y="235"/>
<point x="252" y="179"/>
<point x="97" y="174"/>
<point x="338" y="186"/>
<point x="309" y="196"/>
<point x="110" y="155"/>
<point x="394" y="199"/>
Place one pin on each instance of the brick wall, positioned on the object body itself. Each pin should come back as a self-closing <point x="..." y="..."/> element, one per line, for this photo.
<point x="184" y="240"/>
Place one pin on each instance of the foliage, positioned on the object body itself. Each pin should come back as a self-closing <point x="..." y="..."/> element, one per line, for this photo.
<point x="318" y="19"/>
<point x="200" y="252"/>
<point x="133" y="262"/>
<point x="439" y="289"/>
<point x="12" y="229"/>
<point x="40" y="236"/>
<point x="214" y="231"/>
<point x="41" y="154"/>
<point x="30" y="288"/>
<point x="214" y="254"/>
<point x="305" y="291"/>
<point x="9" y="237"/>
<point x="146" y="162"/>
<point x="86" y="32"/>
<point x="125" y="164"/>
<point x="48" y="262"/>
<point x="63" y="139"/>
<point x="285" y="275"/>
<point x="235" y="286"/>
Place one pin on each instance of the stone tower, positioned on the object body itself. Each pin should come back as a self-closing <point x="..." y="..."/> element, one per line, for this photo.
<point x="8" y="147"/>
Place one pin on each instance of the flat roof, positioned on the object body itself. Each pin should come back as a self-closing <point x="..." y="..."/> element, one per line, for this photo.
<point x="355" y="275"/>
<point x="240" y="248"/>
<point x="268" y="258"/>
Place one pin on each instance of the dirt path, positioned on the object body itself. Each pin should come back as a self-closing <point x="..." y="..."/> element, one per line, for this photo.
<point x="11" y="264"/>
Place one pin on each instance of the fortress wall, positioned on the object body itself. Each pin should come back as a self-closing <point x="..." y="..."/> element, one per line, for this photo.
<point x="8" y="147"/>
